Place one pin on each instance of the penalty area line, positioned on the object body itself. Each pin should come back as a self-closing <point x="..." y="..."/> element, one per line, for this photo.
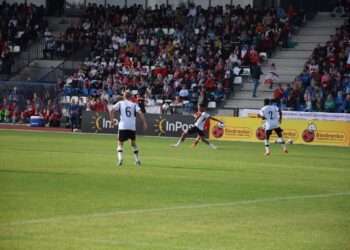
<point x="165" y="209"/>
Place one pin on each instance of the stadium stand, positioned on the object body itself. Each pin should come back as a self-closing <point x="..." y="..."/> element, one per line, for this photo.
<point x="176" y="58"/>
<point x="164" y="53"/>
<point x="21" y="24"/>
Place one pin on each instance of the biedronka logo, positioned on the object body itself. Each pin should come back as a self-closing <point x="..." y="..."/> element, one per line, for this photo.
<point x="163" y="126"/>
<point x="99" y="123"/>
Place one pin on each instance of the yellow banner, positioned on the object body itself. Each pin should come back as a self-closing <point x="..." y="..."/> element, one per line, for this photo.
<point x="300" y="131"/>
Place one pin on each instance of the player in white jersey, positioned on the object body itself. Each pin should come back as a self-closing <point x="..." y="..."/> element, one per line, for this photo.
<point x="273" y="116"/>
<point x="198" y="127"/>
<point x="127" y="125"/>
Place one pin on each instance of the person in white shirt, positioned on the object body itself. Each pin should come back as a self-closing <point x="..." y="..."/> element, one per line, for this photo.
<point x="273" y="116"/>
<point x="127" y="125"/>
<point x="198" y="127"/>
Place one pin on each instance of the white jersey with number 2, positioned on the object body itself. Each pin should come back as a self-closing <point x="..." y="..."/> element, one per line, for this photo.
<point x="272" y="116"/>
<point x="127" y="111"/>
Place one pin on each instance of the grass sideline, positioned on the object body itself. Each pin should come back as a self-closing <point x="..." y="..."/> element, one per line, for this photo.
<point x="64" y="191"/>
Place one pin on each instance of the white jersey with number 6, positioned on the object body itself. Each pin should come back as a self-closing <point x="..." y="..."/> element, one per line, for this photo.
<point x="127" y="111"/>
<point x="272" y="116"/>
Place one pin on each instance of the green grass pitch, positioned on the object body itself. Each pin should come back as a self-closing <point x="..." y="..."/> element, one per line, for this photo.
<point x="64" y="191"/>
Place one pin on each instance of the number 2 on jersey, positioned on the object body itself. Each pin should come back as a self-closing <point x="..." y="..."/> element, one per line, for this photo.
<point x="271" y="115"/>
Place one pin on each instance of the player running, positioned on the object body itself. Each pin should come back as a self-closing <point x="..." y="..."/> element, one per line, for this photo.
<point x="127" y="125"/>
<point x="270" y="114"/>
<point x="198" y="127"/>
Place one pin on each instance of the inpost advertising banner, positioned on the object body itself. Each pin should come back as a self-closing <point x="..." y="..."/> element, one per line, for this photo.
<point x="300" y="131"/>
<point x="158" y="125"/>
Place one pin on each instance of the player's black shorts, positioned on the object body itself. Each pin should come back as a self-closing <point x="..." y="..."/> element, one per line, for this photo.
<point x="194" y="130"/>
<point x="277" y="130"/>
<point x="124" y="135"/>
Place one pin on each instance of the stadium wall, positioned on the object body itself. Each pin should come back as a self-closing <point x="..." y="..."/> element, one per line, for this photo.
<point x="158" y="125"/>
<point x="313" y="132"/>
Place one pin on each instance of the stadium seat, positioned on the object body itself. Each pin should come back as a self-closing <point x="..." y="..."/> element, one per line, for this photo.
<point x="84" y="98"/>
<point x="16" y="49"/>
<point x="159" y="101"/>
<point x="212" y="105"/>
<point x="171" y="31"/>
<point x="75" y="98"/>
<point x="165" y="30"/>
<point x="246" y="71"/>
<point x="238" y="80"/>
<point x="263" y="56"/>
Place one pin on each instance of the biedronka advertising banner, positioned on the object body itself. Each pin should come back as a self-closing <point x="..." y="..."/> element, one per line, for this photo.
<point x="333" y="133"/>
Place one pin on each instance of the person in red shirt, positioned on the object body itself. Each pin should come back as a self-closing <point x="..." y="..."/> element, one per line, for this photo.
<point x="278" y="94"/>
<point x="29" y="111"/>
<point x="209" y="84"/>
<point x="99" y="106"/>
<point x="15" y="111"/>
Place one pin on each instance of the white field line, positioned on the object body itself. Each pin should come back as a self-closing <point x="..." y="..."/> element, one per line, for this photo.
<point x="165" y="209"/>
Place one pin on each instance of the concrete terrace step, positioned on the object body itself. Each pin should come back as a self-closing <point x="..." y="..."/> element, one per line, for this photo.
<point x="248" y="87"/>
<point x="290" y="54"/>
<point x="286" y="62"/>
<point x="325" y="24"/>
<point x="311" y="39"/>
<point x="244" y="95"/>
<point x="307" y="47"/>
<point x="316" y="32"/>
<point x="253" y="103"/>
<point x="283" y="70"/>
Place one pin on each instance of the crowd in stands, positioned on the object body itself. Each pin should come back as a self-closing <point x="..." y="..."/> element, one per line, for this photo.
<point x="13" y="109"/>
<point x="182" y="54"/>
<point x="19" y="24"/>
<point x="324" y="84"/>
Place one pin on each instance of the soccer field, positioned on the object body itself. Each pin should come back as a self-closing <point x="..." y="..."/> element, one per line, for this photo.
<point x="64" y="191"/>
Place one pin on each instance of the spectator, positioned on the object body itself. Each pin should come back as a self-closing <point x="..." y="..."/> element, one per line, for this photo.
<point x="7" y="62"/>
<point x="5" y="111"/>
<point x="271" y="76"/>
<point x="318" y="105"/>
<point x="338" y="8"/>
<point x="38" y="103"/>
<point x="278" y="94"/>
<point x="29" y="111"/>
<point x="73" y="110"/>
<point x="176" y="105"/>
<point x="184" y="93"/>
<point x="329" y="104"/>
<point x="255" y="72"/>
<point x="346" y="104"/>
<point x="339" y="101"/>
<point x="15" y="112"/>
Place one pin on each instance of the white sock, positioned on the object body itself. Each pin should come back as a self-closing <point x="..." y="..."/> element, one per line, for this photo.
<point x="136" y="153"/>
<point x="267" y="146"/>
<point x="283" y="143"/>
<point x="179" y="143"/>
<point x="120" y="153"/>
<point x="212" y="145"/>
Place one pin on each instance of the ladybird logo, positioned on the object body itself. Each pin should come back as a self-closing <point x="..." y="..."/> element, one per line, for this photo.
<point x="260" y="132"/>
<point x="309" y="133"/>
<point x="218" y="130"/>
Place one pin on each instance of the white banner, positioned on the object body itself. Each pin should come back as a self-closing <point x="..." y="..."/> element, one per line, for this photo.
<point x="302" y="115"/>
